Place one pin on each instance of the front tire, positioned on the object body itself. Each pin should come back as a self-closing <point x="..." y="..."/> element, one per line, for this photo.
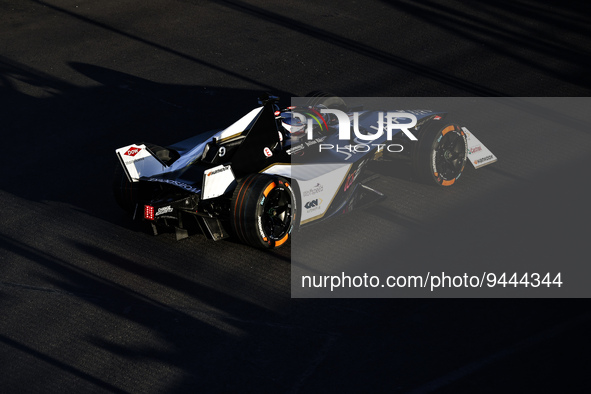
<point x="440" y="155"/>
<point x="263" y="211"/>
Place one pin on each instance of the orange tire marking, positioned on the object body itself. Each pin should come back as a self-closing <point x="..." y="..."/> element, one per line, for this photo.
<point x="448" y="183"/>
<point x="282" y="240"/>
<point x="447" y="129"/>
<point x="269" y="188"/>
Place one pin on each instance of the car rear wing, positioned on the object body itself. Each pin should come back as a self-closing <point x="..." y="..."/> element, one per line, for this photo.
<point x="139" y="161"/>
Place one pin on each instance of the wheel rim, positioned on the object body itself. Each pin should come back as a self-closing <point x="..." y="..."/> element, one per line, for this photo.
<point x="450" y="156"/>
<point x="277" y="213"/>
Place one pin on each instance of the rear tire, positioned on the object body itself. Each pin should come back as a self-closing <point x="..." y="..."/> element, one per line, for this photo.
<point x="263" y="211"/>
<point x="440" y="155"/>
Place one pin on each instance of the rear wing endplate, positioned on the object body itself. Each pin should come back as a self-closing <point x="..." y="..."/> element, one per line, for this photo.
<point x="138" y="161"/>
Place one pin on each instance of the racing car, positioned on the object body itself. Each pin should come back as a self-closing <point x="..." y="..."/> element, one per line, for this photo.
<point x="277" y="170"/>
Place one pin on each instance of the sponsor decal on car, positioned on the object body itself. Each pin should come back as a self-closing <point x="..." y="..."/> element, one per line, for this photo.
<point x="219" y="170"/>
<point x="475" y="149"/>
<point x="295" y="149"/>
<point x="128" y="162"/>
<point x="315" y="141"/>
<point x="182" y="185"/>
<point x="132" y="151"/>
<point x="267" y="152"/>
<point x="318" y="188"/>
<point x="484" y="159"/>
<point x="313" y="205"/>
<point x="163" y="210"/>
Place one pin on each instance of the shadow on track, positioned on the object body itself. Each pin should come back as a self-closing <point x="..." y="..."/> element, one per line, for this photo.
<point x="544" y="37"/>
<point x="64" y="140"/>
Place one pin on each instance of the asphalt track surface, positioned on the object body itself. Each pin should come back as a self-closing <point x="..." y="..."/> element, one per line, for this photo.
<point x="90" y="302"/>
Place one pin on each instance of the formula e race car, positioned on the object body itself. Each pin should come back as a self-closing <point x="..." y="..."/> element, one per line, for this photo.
<point x="275" y="170"/>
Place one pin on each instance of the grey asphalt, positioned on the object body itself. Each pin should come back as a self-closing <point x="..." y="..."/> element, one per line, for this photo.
<point x="92" y="303"/>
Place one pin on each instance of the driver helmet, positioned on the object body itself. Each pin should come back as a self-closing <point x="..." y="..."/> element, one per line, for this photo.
<point x="292" y="125"/>
<point x="330" y="118"/>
